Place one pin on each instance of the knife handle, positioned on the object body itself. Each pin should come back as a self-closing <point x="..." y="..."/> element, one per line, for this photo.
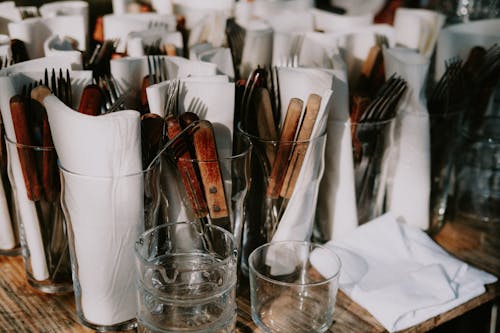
<point x="144" y="96"/>
<point x="211" y="176"/>
<point x="18" y="109"/>
<point x="152" y="130"/>
<point x="50" y="173"/>
<point x="285" y="148"/>
<point x="91" y="101"/>
<point x="299" y="152"/>
<point x="188" y="173"/>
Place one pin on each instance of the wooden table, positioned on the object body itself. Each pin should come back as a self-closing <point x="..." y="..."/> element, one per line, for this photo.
<point x="23" y="309"/>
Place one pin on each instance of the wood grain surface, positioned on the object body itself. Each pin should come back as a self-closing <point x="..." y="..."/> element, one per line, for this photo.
<point x="23" y="309"/>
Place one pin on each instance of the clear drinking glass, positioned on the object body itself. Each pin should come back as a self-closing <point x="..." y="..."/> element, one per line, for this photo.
<point x="34" y="177"/>
<point x="372" y="144"/>
<point x="186" y="279"/>
<point x="293" y="287"/>
<point x="477" y="185"/>
<point x="9" y="235"/>
<point x="282" y="194"/>
<point x="105" y="215"/>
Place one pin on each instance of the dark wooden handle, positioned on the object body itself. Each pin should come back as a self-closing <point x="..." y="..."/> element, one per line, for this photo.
<point x="299" y="152"/>
<point x="187" y="170"/>
<point x="18" y="109"/>
<point x="152" y="130"/>
<point x="211" y="176"/>
<point x="144" y="96"/>
<point x="285" y="148"/>
<point x="91" y="101"/>
<point x="50" y="174"/>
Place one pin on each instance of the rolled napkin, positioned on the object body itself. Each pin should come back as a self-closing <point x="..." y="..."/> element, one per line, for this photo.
<point x="418" y="29"/>
<point x="103" y="196"/>
<point x="410" y="184"/>
<point x="10" y="86"/>
<point x="336" y="214"/>
<point x="400" y="275"/>
<point x="457" y="40"/>
<point x="330" y="22"/>
<point x="119" y="26"/>
<point x="34" y="31"/>
<point x="298" y="218"/>
<point x="57" y="46"/>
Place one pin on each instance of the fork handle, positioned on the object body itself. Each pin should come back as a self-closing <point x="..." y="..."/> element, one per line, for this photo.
<point x="91" y="101"/>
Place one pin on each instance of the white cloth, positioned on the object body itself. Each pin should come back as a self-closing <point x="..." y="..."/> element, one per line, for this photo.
<point x="330" y="22"/>
<point x="397" y="273"/>
<point x="418" y="29"/>
<point x="410" y="181"/>
<point x="57" y="46"/>
<point x="298" y="218"/>
<point x="34" y="31"/>
<point x="103" y="196"/>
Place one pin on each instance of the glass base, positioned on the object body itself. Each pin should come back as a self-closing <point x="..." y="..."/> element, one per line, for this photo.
<point x="50" y="287"/>
<point x="228" y="326"/>
<point x="124" y="326"/>
<point x="11" y="252"/>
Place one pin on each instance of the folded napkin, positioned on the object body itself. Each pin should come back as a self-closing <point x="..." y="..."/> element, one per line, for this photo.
<point x="359" y="7"/>
<point x="220" y="56"/>
<point x="10" y="86"/>
<point x="34" y="31"/>
<point x="62" y="8"/>
<point x="418" y="29"/>
<point x="103" y="196"/>
<point x="162" y="6"/>
<point x="119" y="26"/>
<point x="137" y="40"/>
<point x="298" y="218"/>
<point x="55" y="61"/>
<point x="258" y="46"/>
<point x="457" y="40"/>
<point x="410" y="181"/>
<point x="57" y="46"/>
<point x="330" y="22"/>
<point x="7" y="232"/>
<point x="8" y="13"/>
<point x="397" y="273"/>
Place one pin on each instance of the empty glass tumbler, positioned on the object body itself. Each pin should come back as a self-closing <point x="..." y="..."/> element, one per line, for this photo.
<point x="186" y="279"/>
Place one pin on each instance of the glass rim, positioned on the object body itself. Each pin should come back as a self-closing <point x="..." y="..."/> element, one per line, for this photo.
<point x="231" y="157"/>
<point x="24" y="146"/>
<point x="246" y="134"/>
<point x="151" y="167"/>
<point x="289" y="284"/>
<point x="226" y="233"/>
<point x="373" y="122"/>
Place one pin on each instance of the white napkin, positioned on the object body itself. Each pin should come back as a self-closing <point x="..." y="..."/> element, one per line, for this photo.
<point x="336" y="213"/>
<point x="270" y="9"/>
<point x="10" y="86"/>
<point x="65" y="8"/>
<point x="129" y="71"/>
<point x="298" y="219"/>
<point x="457" y="40"/>
<point x="106" y="210"/>
<point x="409" y="188"/>
<point x="162" y="6"/>
<point x="258" y="47"/>
<point x="7" y="236"/>
<point x="418" y="28"/>
<point x="355" y="44"/>
<point x="57" y="46"/>
<point x="209" y="28"/>
<point x="119" y="26"/>
<point x="359" y="7"/>
<point x="397" y="273"/>
<point x="138" y="39"/>
<point x="56" y="62"/>
<point x="220" y="56"/>
<point x="8" y="13"/>
<point x="330" y="22"/>
<point x="34" y="31"/>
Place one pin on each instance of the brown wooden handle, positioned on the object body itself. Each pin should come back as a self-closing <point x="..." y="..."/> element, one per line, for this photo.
<point x="91" y="101"/>
<point x="187" y="170"/>
<point x="211" y="176"/>
<point x="152" y="129"/>
<point x="144" y="95"/>
<point x="299" y="152"/>
<point x="50" y="175"/>
<point x="18" y="109"/>
<point x="285" y="147"/>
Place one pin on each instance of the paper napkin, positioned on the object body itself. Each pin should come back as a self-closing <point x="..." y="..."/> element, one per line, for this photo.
<point x="409" y="187"/>
<point x="103" y="196"/>
<point x="399" y="274"/>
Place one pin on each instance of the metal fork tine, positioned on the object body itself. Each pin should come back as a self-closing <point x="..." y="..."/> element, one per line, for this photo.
<point x="150" y="71"/>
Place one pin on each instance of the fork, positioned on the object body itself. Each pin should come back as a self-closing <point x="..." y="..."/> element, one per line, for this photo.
<point x="235" y="35"/>
<point x="113" y="96"/>
<point x="172" y="98"/>
<point x="157" y="69"/>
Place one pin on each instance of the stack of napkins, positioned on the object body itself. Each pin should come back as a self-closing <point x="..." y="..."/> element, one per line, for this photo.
<point x="400" y="275"/>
